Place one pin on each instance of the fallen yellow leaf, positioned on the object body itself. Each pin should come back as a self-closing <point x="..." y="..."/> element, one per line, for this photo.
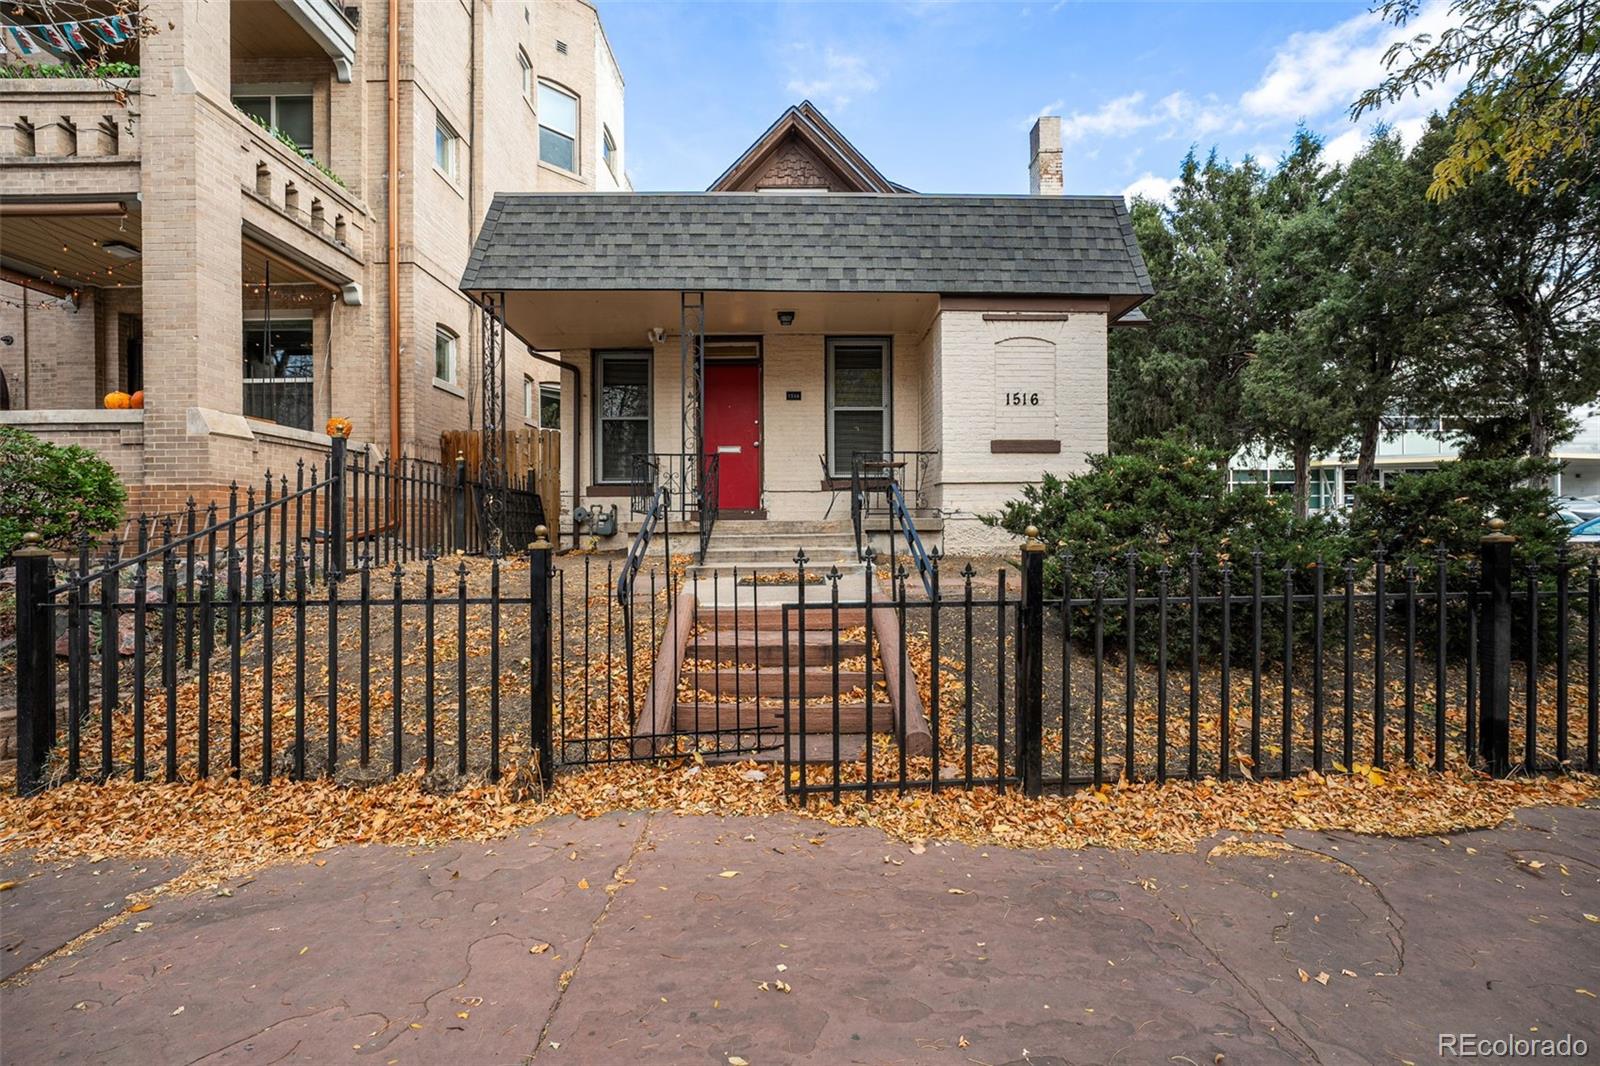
<point x="142" y="905"/>
<point x="729" y="873"/>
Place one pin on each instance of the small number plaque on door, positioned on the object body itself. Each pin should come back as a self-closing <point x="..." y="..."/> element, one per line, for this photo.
<point x="792" y="394"/>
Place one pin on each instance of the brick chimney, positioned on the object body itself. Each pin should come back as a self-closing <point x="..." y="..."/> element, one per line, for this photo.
<point x="1044" y="166"/>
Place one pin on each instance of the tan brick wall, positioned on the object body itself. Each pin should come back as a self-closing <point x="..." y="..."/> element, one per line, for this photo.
<point x="1069" y="362"/>
<point x="60" y="347"/>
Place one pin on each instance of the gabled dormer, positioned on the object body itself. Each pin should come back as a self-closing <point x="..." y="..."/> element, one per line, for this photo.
<point x="803" y="152"/>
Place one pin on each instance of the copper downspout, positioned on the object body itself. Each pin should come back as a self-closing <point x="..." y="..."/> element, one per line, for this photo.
<point x="392" y="197"/>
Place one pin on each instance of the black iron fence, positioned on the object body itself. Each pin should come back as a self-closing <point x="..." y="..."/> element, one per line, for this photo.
<point x="232" y="650"/>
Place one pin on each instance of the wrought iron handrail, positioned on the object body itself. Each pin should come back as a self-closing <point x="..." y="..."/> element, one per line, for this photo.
<point x="899" y="514"/>
<point x="908" y="529"/>
<point x="658" y="511"/>
<point x="710" y="499"/>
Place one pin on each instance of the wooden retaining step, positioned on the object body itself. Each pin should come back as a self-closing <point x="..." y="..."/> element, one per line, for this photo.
<point x="818" y="616"/>
<point x="766" y="649"/>
<point x="769" y="680"/>
<point x="724" y="717"/>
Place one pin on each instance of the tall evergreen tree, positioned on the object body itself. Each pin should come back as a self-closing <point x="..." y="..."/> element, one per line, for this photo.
<point x="1292" y="398"/>
<point x="1180" y="375"/>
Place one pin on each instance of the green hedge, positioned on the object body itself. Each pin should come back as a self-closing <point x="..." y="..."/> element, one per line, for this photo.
<point x="62" y="493"/>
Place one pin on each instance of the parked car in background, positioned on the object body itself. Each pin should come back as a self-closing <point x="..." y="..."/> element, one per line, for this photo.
<point x="1586" y="533"/>
<point x="1575" y="509"/>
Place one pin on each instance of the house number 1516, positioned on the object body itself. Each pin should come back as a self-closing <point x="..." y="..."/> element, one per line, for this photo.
<point x="1022" y="399"/>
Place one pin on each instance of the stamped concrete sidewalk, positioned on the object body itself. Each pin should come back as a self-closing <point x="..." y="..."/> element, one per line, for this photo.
<point x="698" y="940"/>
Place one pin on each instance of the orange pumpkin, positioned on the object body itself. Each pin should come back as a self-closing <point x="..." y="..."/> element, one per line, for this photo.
<point x="117" y="401"/>
<point x="136" y="401"/>
<point x="339" y="427"/>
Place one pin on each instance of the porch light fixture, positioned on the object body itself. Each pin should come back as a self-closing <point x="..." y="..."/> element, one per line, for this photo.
<point x="120" y="249"/>
<point x="785" y="318"/>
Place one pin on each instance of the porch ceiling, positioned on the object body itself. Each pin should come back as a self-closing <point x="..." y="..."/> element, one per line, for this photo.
<point x="568" y="320"/>
<point x="68" y="249"/>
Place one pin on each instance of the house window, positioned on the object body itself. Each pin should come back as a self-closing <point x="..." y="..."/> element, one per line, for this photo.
<point x="526" y="66"/>
<point x="527" y="398"/>
<point x="623" y="414"/>
<point x="558" y="127"/>
<point x="446" y="345"/>
<point x="288" y="113"/>
<point x="549" y="406"/>
<point x="277" y="371"/>
<point x="608" y="150"/>
<point x="858" y="400"/>
<point x="446" y="148"/>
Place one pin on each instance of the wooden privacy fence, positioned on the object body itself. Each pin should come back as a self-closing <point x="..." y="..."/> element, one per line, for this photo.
<point x="535" y="452"/>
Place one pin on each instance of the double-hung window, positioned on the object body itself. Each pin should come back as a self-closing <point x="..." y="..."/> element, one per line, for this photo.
<point x="558" y="127"/>
<point x="623" y="413"/>
<point x="525" y="66"/>
<point x="608" y="149"/>
<point x="858" y="400"/>
<point x="278" y="358"/>
<point x="287" y="112"/>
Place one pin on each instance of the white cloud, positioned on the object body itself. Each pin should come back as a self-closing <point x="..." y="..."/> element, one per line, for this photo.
<point x="1177" y="112"/>
<point x="1320" y="73"/>
<point x="1151" y="188"/>
<point x="843" y="76"/>
<point x="1345" y="147"/>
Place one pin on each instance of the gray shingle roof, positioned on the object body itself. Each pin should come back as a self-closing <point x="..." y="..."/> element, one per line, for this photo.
<point x="955" y="245"/>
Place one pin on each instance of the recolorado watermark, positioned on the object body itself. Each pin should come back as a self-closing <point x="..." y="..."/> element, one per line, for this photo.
<point x="1480" y="1046"/>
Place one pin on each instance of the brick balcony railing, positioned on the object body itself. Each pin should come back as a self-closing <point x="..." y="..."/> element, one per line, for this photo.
<point x="75" y="119"/>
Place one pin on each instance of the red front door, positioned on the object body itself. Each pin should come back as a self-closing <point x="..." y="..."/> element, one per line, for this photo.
<point x="733" y="432"/>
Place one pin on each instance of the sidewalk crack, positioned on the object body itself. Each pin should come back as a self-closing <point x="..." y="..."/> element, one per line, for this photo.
<point x="594" y="928"/>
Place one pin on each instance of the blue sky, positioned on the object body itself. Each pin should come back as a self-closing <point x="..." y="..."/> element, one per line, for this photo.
<point x="940" y="95"/>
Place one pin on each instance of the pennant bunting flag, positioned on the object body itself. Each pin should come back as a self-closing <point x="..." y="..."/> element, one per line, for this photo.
<point x="107" y="30"/>
<point x="53" y="35"/>
<point x="64" y="36"/>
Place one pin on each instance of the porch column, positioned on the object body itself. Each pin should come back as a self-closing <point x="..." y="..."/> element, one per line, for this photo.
<point x="189" y="182"/>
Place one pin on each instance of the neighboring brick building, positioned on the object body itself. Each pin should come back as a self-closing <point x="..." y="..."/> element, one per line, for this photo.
<point x="957" y="341"/>
<point x="157" y="241"/>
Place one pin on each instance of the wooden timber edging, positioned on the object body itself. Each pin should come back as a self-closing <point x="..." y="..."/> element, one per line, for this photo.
<point x="911" y="720"/>
<point x="655" y="721"/>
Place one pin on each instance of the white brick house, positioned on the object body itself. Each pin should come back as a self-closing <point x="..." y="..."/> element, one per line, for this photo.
<point x="826" y="315"/>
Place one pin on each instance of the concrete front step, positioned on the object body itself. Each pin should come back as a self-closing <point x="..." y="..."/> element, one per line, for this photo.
<point x="727" y="555"/>
<point x="796" y="527"/>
